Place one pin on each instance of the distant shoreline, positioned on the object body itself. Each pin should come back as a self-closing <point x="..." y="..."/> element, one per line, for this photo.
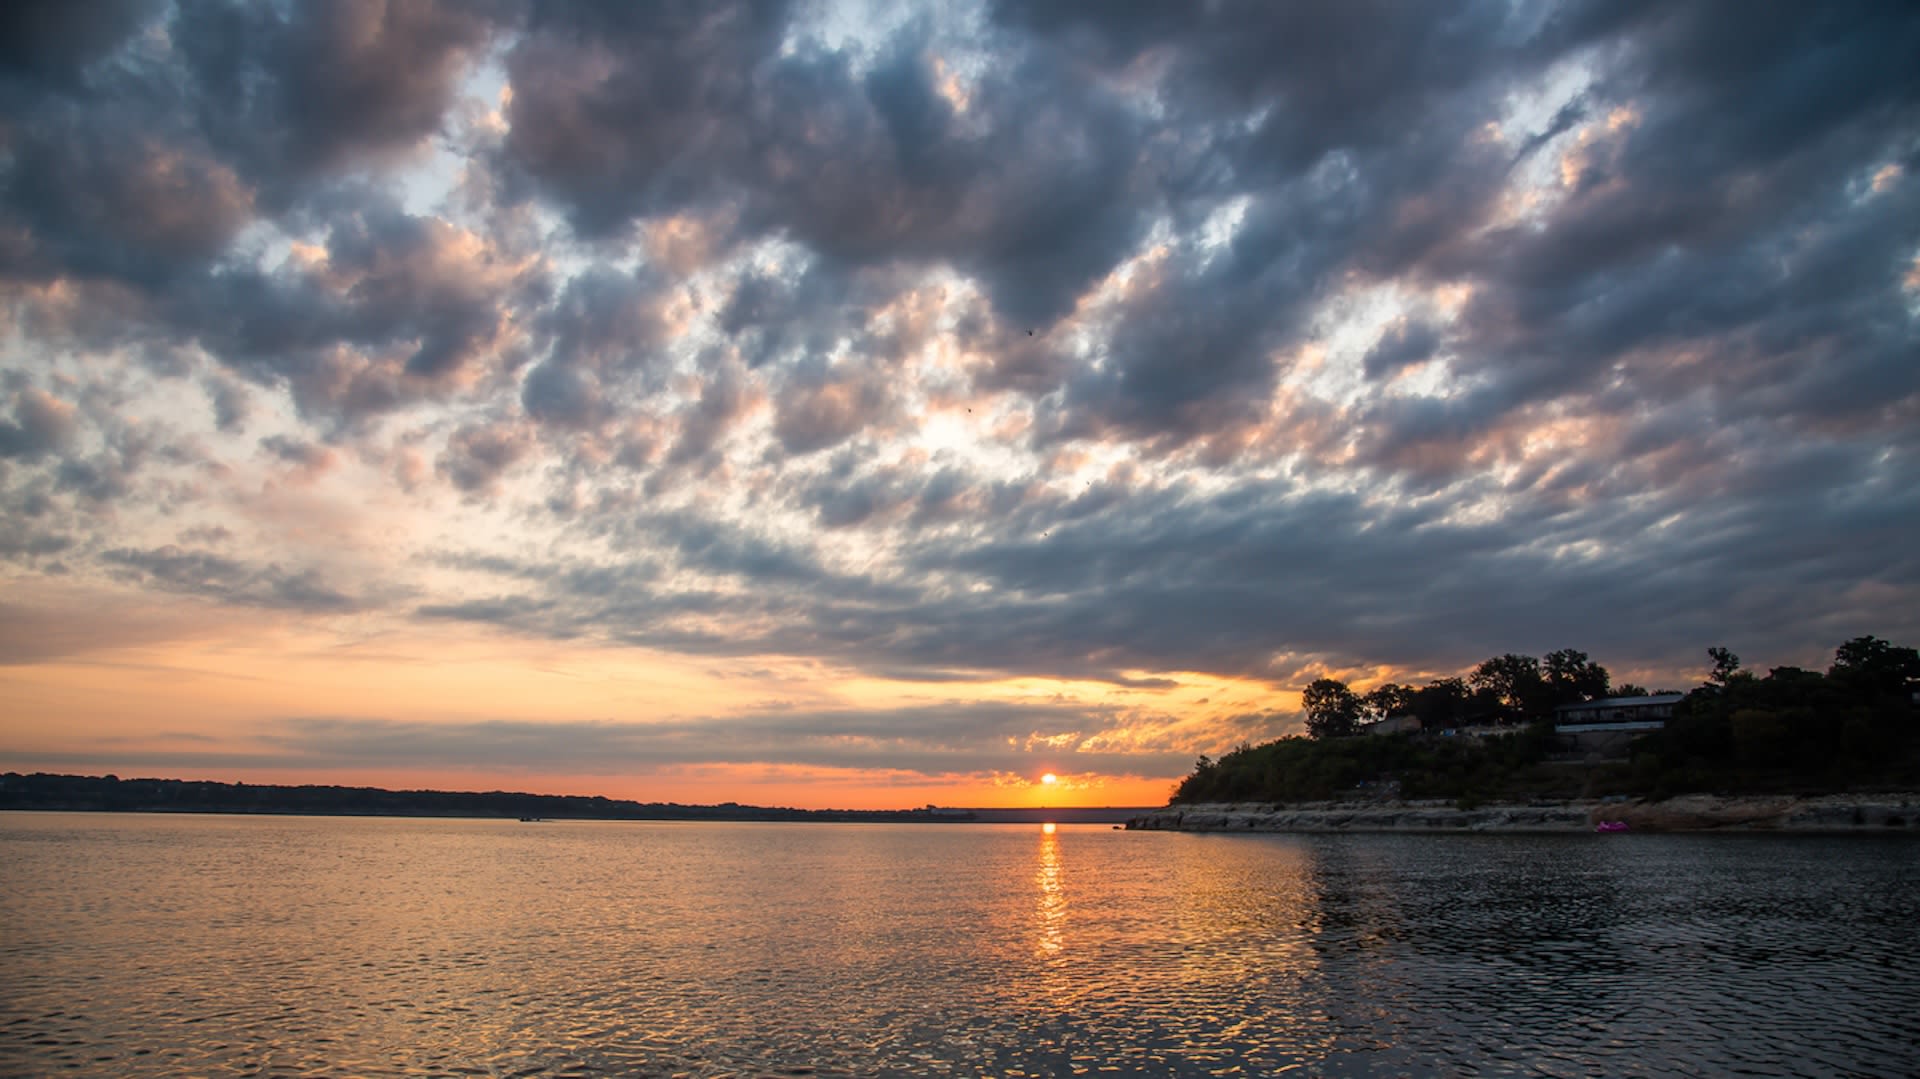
<point x="1859" y="814"/>
<point x="109" y="794"/>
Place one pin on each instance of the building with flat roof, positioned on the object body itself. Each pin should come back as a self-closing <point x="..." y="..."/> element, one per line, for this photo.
<point x="1657" y="706"/>
<point x="1605" y="729"/>
<point x="1392" y="725"/>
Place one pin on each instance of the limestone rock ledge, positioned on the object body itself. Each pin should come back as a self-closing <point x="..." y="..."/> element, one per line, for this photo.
<point x="1832" y="814"/>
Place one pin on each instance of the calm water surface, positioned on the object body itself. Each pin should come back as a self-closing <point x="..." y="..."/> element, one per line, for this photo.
<point x="159" y="945"/>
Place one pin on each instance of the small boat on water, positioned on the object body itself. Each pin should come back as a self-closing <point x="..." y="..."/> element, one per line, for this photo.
<point x="1611" y="826"/>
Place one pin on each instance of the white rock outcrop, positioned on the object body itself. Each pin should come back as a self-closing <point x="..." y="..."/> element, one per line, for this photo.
<point x="1688" y="813"/>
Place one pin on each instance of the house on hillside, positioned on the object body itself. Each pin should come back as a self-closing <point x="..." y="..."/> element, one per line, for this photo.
<point x="1392" y="725"/>
<point x="1603" y="729"/>
<point x="1658" y="706"/>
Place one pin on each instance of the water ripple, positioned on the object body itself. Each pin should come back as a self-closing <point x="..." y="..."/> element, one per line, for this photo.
<point x="231" y="946"/>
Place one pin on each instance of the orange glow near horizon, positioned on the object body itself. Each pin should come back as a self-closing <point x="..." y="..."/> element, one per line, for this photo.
<point x="130" y="684"/>
<point x="798" y="789"/>
<point x="138" y="686"/>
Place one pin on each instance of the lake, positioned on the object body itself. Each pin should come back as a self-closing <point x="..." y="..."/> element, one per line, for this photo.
<point x="217" y="945"/>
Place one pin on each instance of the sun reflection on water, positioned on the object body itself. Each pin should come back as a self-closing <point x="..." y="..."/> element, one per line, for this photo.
<point x="1052" y="898"/>
<point x="588" y="948"/>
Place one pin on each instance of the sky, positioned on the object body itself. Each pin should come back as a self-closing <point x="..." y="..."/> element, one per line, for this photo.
<point x="881" y="404"/>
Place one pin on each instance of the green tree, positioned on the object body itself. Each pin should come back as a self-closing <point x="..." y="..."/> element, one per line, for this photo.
<point x="1198" y="786"/>
<point x="1332" y="709"/>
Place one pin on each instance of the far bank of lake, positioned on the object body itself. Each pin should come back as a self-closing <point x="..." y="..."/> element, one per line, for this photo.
<point x="1825" y="814"/>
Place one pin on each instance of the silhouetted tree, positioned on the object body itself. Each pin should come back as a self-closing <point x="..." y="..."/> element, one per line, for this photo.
<point x="1630" y="689"/>
<point x="1572" y="677"/>
<point x="1515" y="682"/>
<point x="1871" y="666"/>
<point x="1388" y="699"/>
<point x="1332" y="709"/>
<point x="1441" y="703"/>
<point x="1791" y="731"/>
<point x="1726" y="665"/>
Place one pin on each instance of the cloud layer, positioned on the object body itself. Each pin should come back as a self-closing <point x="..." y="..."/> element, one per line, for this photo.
<point x="1124" y="345"/>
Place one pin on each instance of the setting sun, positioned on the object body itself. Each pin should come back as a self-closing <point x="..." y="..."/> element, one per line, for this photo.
<point x="1049" y="779"/>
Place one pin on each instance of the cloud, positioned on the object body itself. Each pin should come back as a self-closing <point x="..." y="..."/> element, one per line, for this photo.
<point x="1404" y="345"/>
<point x="56" y="42"/>
<point x="306" y="456"/>
<point x="820" y="408"/>
<point x="231" y="404"/>
<point x="227" y="580"/>
<point x="1140" y="344"/>
<point x="293" y="94"/>
<point x="935" y="740"/>
<point x="726" y="396"/>
<point x="62" y="621"/>
<point x="41" y="424"/>
<point x="604" y="337"/>
<point x="626" y="119"/>
<point x="477" y="456"/>
<point x="117" y="203"/>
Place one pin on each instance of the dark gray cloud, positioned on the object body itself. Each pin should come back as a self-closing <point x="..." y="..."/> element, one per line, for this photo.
<point x="821" y="407"/>
<point x="41" y="424"/>
<point x="1262" y="582"/>
<point x="620" y="119"/>
<point x="604" y="338"/>
<point x="621" y="113"/>
<point x="22" y="540"/>
<point x="55" y="42"/>
<point x="228" y="580"/>
<point x="292" y="451"/>
<point x="1191" y="351"/>
<point x="1734" y="216"/>
<point x="132" y="178"/>
<point x="290" y="94"/>
<point x="111" y="201"/>
<point x="843" y="501"/>
<point x="606" y="321"/>
<point x="478" y="455"/>
<point x="1362" y="164"/>
<point x="140" y="159"/>
<point x="403" y="310"/>
<point x="231" y="406"/>
<point x="1406" y="344"/>
<point x="409" y="284"/>
<point x="724" y="399"/>
<point x="1313" y="78"/>
<point x="563" y="396"/>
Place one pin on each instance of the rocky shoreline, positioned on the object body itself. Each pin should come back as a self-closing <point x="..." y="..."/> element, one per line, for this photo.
<point x="1826" y="814"/>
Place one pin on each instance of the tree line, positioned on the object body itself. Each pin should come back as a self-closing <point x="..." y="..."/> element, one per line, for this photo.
<point x="1855" y="725"/>
<point x="1504" y="689"/>
<point x="111" y="793"/>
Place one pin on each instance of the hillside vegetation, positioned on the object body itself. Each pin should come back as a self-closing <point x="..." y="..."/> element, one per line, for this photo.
<point x="1852" y="727"/>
